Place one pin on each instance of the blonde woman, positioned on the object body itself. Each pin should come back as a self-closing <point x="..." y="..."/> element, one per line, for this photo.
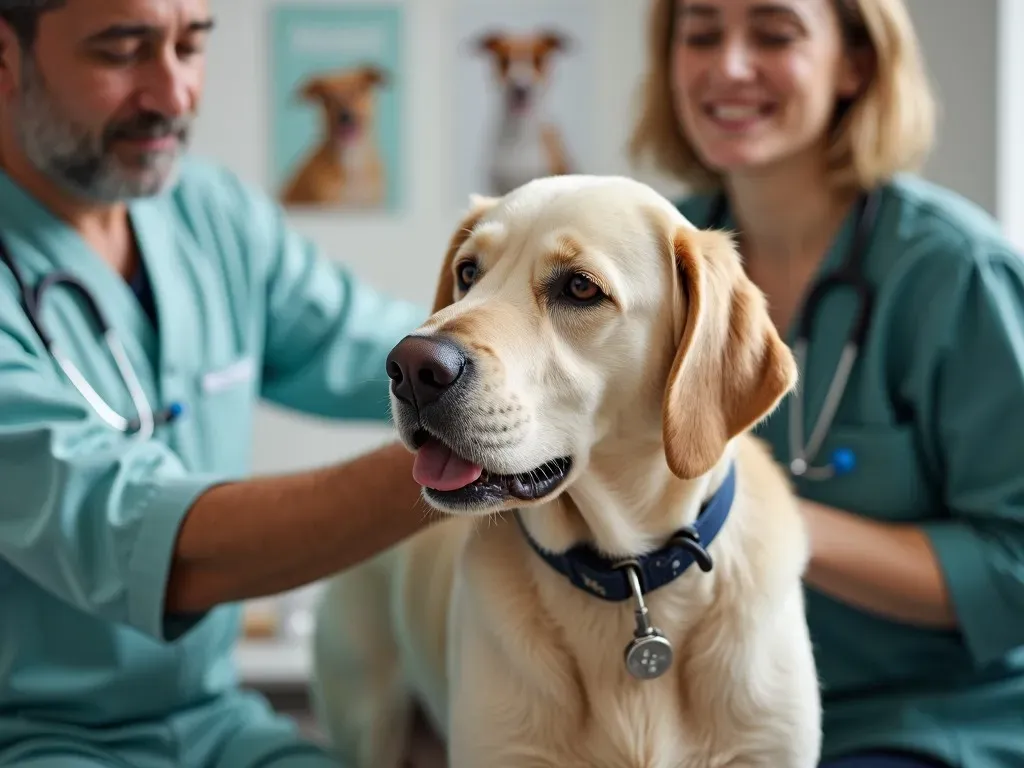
<point x="799" y="125"/>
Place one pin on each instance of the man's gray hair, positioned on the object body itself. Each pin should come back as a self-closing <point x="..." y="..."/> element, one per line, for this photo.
<point x="23" y="16"/>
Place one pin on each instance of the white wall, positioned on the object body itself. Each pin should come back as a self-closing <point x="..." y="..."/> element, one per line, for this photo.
<point x="1010" y="166"/>
<point x="961" y="39"/>
<point x="961" y="45"/>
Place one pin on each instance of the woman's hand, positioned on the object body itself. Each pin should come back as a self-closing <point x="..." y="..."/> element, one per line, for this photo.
<point x="882" y="568"/>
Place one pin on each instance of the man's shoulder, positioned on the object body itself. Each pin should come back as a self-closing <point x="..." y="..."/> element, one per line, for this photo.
<point x="204" y="181"/>
<point x="220" y="210"/>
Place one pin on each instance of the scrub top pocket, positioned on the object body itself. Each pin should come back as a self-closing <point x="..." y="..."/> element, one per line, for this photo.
<point x="225" y="396"/>
<point x="888" y="480"/>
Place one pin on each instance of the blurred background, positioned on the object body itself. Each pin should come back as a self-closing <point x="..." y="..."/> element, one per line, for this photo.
<point x="435" y="112"/>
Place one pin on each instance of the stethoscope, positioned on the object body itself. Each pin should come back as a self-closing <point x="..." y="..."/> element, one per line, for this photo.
<point x="146" y="420"/>
<point x="850" y="274"/>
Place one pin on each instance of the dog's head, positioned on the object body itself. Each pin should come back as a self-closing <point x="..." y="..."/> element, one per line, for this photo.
<point x="576" y="315"/>
<point x="522" y="62"/>
<point x="346" y="100"/>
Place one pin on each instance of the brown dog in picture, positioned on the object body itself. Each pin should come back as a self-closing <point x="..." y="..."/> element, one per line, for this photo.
<point x="345" y="168"/>
<point x="527" y="145"/>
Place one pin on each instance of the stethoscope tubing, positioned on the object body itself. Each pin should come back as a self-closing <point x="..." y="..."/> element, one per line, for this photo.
<point x="143" y="426"/>
<point x="849" y="275"/>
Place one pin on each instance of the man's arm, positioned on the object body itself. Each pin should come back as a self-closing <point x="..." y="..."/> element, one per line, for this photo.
<point x="118" y="527"/>
<point x="327" y="331"/>
<point x="122" y="530"/>
<point x="268" y="535"/>
<point x="327" y="336"/>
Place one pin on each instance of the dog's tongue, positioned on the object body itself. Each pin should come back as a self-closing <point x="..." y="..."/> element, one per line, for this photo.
<point x="437" y="467"/>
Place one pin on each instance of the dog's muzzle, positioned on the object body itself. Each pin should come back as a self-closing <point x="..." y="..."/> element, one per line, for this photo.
<point x="434" y="386"/>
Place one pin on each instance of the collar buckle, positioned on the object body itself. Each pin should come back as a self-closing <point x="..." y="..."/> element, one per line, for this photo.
<point x="689" y="539"/>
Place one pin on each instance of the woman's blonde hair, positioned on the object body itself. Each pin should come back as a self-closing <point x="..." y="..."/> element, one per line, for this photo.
<point x="889" y="127"/>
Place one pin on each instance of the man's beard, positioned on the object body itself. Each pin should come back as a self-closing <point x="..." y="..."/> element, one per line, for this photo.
<point x="82" y="161"/>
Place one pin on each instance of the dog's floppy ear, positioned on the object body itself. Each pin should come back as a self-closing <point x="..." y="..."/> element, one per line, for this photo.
<point x="553" y="40"/>
<point x="488" y="42"/>
<point x="312" y="89"/>
<point x="731" y="368"/>
<point x="374" y="75"/>
<point x="478" y="206"/>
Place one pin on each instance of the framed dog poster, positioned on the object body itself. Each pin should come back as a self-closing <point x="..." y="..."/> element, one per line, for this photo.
<point x="336" y="105"/>
<point x="524" y="92"/>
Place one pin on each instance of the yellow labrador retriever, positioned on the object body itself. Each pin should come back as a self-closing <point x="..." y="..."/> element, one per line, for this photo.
<point x="618" y="580"/>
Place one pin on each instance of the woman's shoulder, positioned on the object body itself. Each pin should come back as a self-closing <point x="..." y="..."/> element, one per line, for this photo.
<point x="940" y="262"/>
<point x="696" y="208"/>
<point x="934" y="243"/>
<point x="925" y="224"/>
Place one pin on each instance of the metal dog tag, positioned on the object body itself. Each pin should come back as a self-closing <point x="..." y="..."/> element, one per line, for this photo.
<point x="648" y="656"/>
<point x="649" y="653"/>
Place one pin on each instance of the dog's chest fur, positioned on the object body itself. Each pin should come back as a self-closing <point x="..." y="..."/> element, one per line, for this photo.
<point x="575" y="705"/>
<point x="359" y="171"/>
<point x="648" y="729"/>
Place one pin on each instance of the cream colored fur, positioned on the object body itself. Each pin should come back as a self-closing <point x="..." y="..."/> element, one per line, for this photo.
<point x="651" y="393"/>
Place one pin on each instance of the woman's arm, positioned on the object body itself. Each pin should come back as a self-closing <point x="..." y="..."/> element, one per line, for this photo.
<point x="964" y="567"/>
<point x="882" y="568"/>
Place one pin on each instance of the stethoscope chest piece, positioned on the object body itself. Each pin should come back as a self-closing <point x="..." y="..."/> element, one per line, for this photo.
<point x="842" y="461"/>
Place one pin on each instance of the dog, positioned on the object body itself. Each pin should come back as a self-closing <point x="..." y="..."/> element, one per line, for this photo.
<point x="526" y="146"/>
<point x="345" y="167"/>
<point x="580" y="405"/>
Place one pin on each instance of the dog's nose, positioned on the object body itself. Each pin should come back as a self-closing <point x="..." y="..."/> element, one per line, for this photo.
<point x="520" y="94"/>
<point x="422" y="368"/>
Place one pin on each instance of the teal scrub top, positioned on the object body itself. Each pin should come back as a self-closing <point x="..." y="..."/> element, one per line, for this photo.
<point x="934" y="414"/>
<point x="247" y="309"/>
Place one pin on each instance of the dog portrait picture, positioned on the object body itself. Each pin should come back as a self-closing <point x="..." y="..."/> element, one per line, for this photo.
<point x="523" y="89"/>
<point x="336" y="107"/>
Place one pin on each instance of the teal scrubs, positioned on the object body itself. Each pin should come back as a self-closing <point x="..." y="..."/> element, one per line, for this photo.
<point x="92" y="669"/>
<point x="934" y="414"/>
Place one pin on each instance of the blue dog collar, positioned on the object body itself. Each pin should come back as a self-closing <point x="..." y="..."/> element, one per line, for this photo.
<point x="606" y="578"/>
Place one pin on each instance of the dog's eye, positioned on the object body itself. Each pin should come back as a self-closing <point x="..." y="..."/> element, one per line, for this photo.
<point x="582" y="290"/>
<point x="466" y="274"/>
